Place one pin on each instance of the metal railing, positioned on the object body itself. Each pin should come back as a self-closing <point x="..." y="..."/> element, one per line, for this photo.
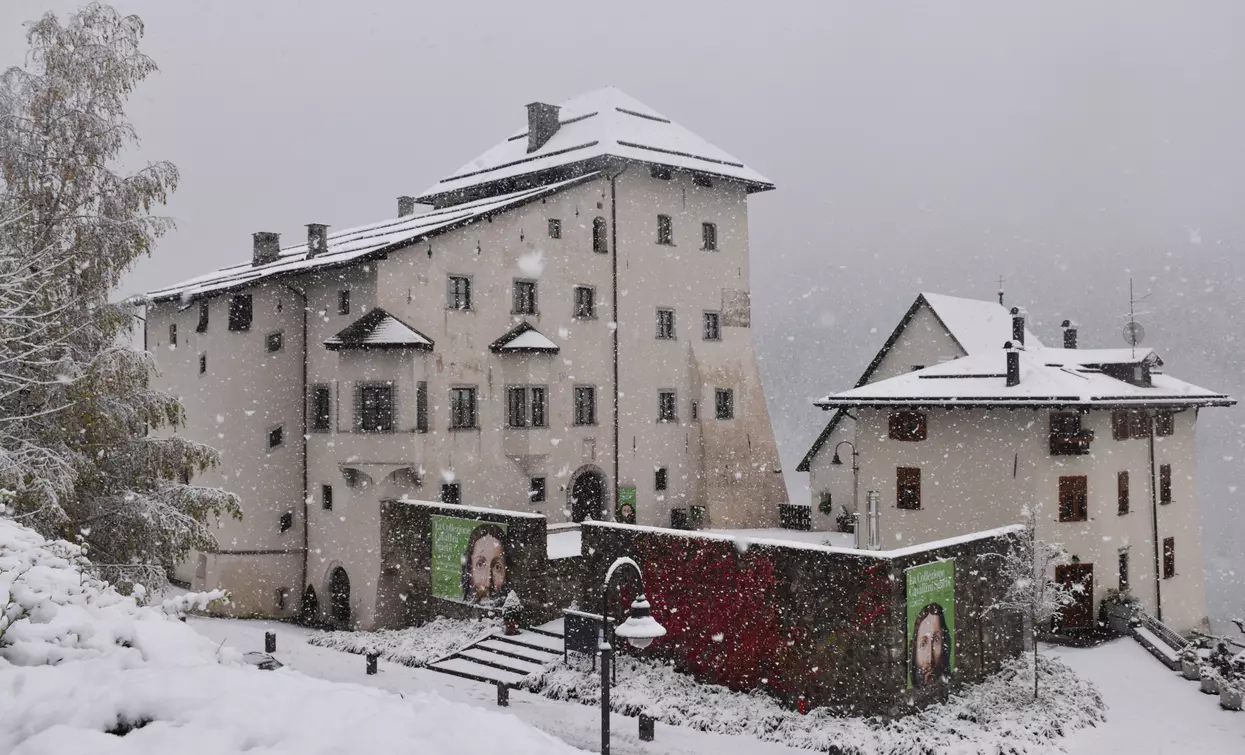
<point x="1165" y="633"/>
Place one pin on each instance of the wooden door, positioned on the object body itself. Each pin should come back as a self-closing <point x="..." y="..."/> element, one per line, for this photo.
<point x="1080" y="579"/>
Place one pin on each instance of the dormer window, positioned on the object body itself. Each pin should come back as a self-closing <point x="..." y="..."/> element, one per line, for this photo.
<point x="1067" y="437"/>
<point x="907" y="426"/>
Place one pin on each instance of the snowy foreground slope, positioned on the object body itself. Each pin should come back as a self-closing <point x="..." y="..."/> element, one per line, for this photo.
<point x="77" y="660"/>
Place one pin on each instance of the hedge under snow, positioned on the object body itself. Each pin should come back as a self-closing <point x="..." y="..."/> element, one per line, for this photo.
<point x="996" y="716"/>
<point x="416" y="646"/>
<point x="84" y="669"/>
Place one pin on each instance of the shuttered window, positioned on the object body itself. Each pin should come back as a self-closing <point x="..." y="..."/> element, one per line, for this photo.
<point x="1165" y="483"/>
<point x="421" y="406"/>
<point x="1122" y="492"/>
<point x="908" y="488"/>
<point x="463" y="408"/>
<point x="1169" y="557"/>
<point x="321" y="409"/>
<point x="907" y="426"/>
<point x="374" y="404"/>
<point x="1164" y="424"/>
<point x="204" y="310"/>
<point x="240" y="309"/>
<point x="1073" y="498"/>
<point x="600" y="242"/>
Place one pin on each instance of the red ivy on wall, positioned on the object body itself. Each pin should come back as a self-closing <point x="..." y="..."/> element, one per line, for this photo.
<point x="721" y="612"/>
<point x="874" y="601"/>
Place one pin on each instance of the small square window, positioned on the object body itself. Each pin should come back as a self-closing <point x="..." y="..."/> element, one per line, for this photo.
<point x="585" y="302"/>
<point x="724" y="403"/>
<point x="713" y="326"/>
<point x="703" y="181"/>
<point x="555" y="228"/>
<point x="660" y="172"/>
<point x="326" y="497"/>
<point x="287" y="521"/>
<point x="452" y="493"/>
<point x="524" y="298"/>
<point x="709" y="237"/>
<point x="907" y="426"/>
<point x="458" y="292"/>
<point x="274" y="342"/>
<point x="276" y="436"/>
<point x="665" y="230"/>
<point x="667" y="407"/>
<point x="343" y="302"/>
<point x="661" y="479"/>
<point x="536" y="490"/>
<point x="665" y="324"/>
<point x="202" y="363"/>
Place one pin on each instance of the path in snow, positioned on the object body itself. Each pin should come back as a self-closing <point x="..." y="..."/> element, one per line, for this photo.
<point x="1151" y="710"/>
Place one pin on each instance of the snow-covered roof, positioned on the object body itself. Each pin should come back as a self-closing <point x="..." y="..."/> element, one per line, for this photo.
<point x="379" y="330"/>
<point x="976" y="325"/>
<point x="1048" y="377"/>
<point x="356" y="244"/>
<point x="524" y="338"/>
<point x="601" y="123"/>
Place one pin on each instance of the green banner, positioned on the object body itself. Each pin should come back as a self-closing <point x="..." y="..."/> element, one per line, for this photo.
<point x="931" y="623"/>
<point x="469" y="560"/>
<point x="624" y="511"/>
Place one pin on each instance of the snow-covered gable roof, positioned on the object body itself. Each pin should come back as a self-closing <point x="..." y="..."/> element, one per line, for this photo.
<point x="978" y="326"/>
<point x="1048" y="377"/>
<point x="379" y="330"/>
<point x="601" y="123"/>
<point x="524" y="338"/>
<point x="358" y="244"/>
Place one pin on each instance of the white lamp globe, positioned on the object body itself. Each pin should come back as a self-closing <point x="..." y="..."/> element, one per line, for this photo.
<point x="640" y="628"/>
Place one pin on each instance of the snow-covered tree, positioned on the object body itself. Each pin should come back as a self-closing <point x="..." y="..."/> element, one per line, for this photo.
<point x="75" y="406"/>
<point x="1026" y="570"/>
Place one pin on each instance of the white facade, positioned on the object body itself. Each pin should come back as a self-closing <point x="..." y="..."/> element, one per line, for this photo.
<point x="498" y="236"/>
<point x="983" y="465"/>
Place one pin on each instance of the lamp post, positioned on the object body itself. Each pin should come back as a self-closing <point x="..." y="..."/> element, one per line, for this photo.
<point x="855" y="481"/>
<point x="639" y="629"/>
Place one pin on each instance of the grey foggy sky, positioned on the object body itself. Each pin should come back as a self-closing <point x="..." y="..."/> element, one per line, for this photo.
<point x="915" y="145"/>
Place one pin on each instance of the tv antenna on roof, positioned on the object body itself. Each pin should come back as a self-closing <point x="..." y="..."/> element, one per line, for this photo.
<point x="1001" y="290"/>
<point x="1134" y="333"/>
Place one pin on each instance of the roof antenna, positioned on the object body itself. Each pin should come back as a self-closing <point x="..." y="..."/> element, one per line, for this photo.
<point x="1000" y="290"/>
<point x="1134" y="334"/>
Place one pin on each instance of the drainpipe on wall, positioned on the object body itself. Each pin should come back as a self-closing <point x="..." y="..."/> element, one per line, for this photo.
<point x="1154" y="522"/>
<point x="302" y="587"/>
<point x="614" y="314"/>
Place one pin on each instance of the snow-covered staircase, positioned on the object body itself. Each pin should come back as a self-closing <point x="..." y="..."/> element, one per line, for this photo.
<point x="505" y="660"/>
<point x="1161" y="641"/>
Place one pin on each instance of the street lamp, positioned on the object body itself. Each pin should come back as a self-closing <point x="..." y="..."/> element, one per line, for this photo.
<point x="640" y="629"/>
<point x="855" y="483"/>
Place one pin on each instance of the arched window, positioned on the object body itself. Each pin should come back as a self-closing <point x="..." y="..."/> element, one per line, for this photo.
<point x="339" y="597"/>
<point x="599" y="241"/>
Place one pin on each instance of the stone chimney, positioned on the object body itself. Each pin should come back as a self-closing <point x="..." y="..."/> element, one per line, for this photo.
<point x="1013" y="364"/>
<point x="542" y="124"/>
<point x="317" y="239"/>
<point x="406" y="206"/>
<point x="266" y="247"/>
<point x="1069" y="334"/>
<point x="1018" y="327"/>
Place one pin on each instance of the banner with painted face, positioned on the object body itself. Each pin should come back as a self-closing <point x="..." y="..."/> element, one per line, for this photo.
<point x="470" y="559"/>
<point x="931" y="623"/>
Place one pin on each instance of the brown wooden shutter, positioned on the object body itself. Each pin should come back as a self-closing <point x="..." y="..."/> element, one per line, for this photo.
<point x="1164" y="424"/>
<point x="1122" y="484"/>
<point x="1119" y="424"/>
<point x="908" y="488"/>
<point x="1073" y="497"/>
<point x="1165" y="483"/>
<point x="1169" y="557"/>
<point x="1139" y="424"/>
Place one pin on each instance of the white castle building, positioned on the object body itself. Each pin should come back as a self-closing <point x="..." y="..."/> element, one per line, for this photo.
<point x="564" y="329"/>
<point x="949" y="432"/>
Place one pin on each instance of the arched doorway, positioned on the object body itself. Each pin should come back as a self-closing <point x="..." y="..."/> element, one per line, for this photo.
<point x="339" y="597"/>
<point x="588" y="495"/>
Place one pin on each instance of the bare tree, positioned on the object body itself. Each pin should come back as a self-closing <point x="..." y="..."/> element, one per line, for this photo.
<point x="1026" y="569"/>
<point x="75" y="402"/>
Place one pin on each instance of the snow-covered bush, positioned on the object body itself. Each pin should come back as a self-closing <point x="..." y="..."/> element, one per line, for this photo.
<point x="999" y="715"/>
<point x="52" y="610"/>
<point x="416" y="646"/>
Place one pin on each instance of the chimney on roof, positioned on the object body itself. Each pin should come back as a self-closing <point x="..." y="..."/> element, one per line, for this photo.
<point x="317" y="239"/>
<point x="1018" y="326"/>
<point x="406" y="206"/>
<point x="1013" y="364"/>
<point x="542" y="124"/>
<point x="1069" y="334"/>
<point x="265" y="247"/>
